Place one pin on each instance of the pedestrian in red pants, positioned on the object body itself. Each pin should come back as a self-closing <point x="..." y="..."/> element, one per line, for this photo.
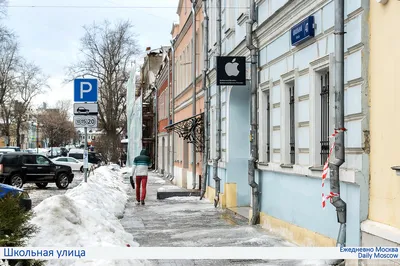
<point x="141" y="180"/>
<point x="141" y="166"/>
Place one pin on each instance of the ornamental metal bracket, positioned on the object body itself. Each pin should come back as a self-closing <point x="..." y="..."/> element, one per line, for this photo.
<point x="190" y="129"/>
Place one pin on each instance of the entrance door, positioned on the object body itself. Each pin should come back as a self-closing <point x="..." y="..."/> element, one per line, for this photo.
<point x="239" y="130"/>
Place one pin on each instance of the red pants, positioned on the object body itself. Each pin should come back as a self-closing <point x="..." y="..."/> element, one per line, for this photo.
<point x="143" y="180"/>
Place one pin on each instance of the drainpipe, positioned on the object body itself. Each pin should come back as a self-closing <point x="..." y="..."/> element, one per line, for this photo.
<point x="206" y="102"/>
<point x="194" y="61"/>
<point x="156" y="127"/>
<point x="253" y="117"/>
<point x="169" y="116"/>
<point x="218" y="112"/>
<point x="173" y="108"/>
<point x="334" y="165"/>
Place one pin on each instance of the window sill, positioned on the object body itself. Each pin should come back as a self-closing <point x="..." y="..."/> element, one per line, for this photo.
<point x="263" y="163"/>
<point x="286" y="165"/>
<point x="397" y="169"/>
<point x="242" y="19"/>
<point x="318" y="168"/>
<point x="346" y="175"/>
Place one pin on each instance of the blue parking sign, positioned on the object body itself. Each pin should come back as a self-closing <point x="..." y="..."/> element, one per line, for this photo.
<point x="85" y="90"/>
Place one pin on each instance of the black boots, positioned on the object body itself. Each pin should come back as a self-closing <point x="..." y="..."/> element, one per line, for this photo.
<point x="142" y="202"/>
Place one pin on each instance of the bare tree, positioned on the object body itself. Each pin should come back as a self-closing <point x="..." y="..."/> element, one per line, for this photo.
<point x="107" y="53"/>
<point x="56" y="127"/>
<point x="9" y="59"/>
<point x="29" y="83"/>
<point x="6" y="113"/>
<point x="65" y="107"/>
<point x="3" y="8"/>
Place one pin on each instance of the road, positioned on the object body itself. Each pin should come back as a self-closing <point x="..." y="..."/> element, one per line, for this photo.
<point x="38" y="195"/>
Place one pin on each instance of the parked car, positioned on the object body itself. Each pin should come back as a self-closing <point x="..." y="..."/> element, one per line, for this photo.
<point x="19" y="168"/>
<point x="12" y="147"/>
<point x="75" y="164"/>
<point x="93" y="158"/>
<point x="24" y="199"/>
<point x="53" y="152"/>
<point x="4" y="151"/>
<point x="63" y="152"/>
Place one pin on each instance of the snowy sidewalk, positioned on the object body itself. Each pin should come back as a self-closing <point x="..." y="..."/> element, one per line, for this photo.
<point x="187" y="221"/>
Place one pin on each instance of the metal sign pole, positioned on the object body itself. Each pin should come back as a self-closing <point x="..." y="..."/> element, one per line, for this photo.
<point x="85" y="157"/>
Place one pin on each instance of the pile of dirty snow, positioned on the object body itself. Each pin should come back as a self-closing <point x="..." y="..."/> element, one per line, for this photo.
<point x="86" y="216"/>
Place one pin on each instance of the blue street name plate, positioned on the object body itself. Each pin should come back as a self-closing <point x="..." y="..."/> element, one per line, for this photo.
<point x="303" y="31"/>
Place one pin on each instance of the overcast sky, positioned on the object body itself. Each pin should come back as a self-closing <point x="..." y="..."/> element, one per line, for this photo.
<point x="50" y="35"/>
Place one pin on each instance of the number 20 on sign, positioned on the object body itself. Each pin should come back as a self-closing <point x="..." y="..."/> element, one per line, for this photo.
<point x="85" y="121"/>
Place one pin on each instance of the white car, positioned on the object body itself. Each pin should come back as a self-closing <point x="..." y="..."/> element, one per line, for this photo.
<point x="75" y="164"/>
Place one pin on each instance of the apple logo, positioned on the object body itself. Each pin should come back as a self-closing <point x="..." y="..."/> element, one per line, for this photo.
<point x="231" y="68"/>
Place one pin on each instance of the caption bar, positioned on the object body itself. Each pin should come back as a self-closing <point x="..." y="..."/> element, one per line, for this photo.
<point x="216" y="253"/>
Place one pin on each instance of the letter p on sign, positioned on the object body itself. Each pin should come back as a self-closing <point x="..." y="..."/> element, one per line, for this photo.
<point x="85" y="90"/>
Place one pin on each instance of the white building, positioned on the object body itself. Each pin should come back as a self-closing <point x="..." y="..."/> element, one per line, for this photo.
<point x="295" y="91"/>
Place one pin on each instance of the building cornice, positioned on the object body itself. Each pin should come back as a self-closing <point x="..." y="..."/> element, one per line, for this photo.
<point x="186" y="26"/>
<point x="281" y="21"/>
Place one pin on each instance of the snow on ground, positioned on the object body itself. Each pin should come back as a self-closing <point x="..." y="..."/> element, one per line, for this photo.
<point x="188" y="199"/>
<point x="165" y="188"/>
<point x="86" y="216"/>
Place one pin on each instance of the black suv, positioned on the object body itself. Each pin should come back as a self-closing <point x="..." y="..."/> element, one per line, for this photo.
<point x="18" y="168"/>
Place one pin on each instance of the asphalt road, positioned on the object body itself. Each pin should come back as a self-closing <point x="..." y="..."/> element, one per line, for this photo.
<point x="38" y="195"/>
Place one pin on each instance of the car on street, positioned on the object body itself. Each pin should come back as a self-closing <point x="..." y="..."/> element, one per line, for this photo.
<point x="4" y="151"/>
<point x="93" y="157"/>
<point x="19" y="168"/>
<point x="12" y="148"/>
<point x="75" y="164"/>
<point x="24" y="199"/>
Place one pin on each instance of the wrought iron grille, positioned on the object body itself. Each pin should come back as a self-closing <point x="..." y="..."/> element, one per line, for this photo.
<point x="292" y="125"/>
<point x="191" y="130"/>
<point x="268" y="128"/>
<point x="324" y="117"/>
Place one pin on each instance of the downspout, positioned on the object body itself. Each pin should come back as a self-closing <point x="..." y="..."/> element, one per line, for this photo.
<point x="194" y="62"/>
<point x="168" y="172"/>
<point x="253" y="117"/>
<point x="218" y="112"/>
<point x="206" y="102"/>
<point x="334" y="165"/>
<point x="173" y="109"/>
<point x="156" y="128"/>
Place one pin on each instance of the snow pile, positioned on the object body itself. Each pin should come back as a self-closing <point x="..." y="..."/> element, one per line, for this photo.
<point x="86" y="216"/>
<point x="4" y="263"/>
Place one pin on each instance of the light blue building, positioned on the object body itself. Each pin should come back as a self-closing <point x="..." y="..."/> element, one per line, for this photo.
<point x="296" y="116"/>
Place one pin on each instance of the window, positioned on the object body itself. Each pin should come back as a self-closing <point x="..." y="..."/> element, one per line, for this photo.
<point x="292" y="127"/>
<point x="324" y="117"/>
<point x="268" y="117"/>
<point x="78" y="156"/>
<point x="185" y="154"/>
<point x="213" y="134"/>
<point x="42" y="160"/>
<point x="62" y="160"/>
<point x="29" y="159"/>
<point x="10" y="160"/>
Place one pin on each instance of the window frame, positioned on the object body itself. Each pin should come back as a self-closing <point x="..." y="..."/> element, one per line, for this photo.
<point x="324" y="116"/>
<point x="292" y="124"/>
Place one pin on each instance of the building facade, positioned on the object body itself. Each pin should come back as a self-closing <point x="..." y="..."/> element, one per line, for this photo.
<point x="186" y="135"/>
<point x="383" y="225"/>
<point x="296" y="117"/>
<point x="163" y="85"/>
<point x="147" y="91"/>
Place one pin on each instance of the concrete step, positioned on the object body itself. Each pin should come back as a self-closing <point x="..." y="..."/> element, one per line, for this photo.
<point x="168" y="193"/>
